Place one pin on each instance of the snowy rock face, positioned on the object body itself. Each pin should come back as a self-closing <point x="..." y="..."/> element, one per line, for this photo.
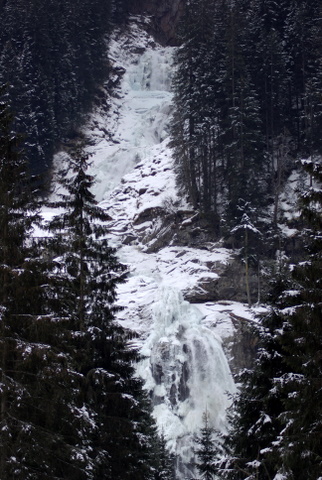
<point x="185" y="368"/>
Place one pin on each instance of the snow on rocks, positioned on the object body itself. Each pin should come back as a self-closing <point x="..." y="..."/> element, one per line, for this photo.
<point x="184" y="366"/>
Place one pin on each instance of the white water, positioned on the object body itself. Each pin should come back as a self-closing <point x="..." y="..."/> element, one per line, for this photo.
<point x="185" y="368"/>
<point x="138" y="119"/>
<point x="187" y="373"/>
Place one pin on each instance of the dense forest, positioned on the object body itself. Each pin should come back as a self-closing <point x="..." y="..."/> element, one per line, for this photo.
<point x="53" y="57"/>
<point x="248" y="112"/>
<point x="276" y="429"/>
<point x="247" y="102"/>
<point x="71" y="406"/>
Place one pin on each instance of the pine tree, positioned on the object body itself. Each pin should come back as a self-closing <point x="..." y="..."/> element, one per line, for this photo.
<point x="302" y="29"/>
<point x="240" y="120"/>
<point x="165" y="461"/>
<point x="193" y="129"/>
<point x="301" y="441"/>
<point x="53" y="54"/>
<point x="216" y="131"/>
<point x="277" y="430"/>
<point x="88" y="272"/>
<point x="248" y="238"/>
<point x="206" y="450"/>
<point x="256" y="421"/>
<point x="39" y="419"/>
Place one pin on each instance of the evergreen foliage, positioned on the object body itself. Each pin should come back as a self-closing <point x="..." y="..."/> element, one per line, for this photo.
<point x="165" y="461"/>
<point x="301" y="441"/>
<point x="247" y="100"/>
<point x="53" y="53"/>
<point x="39" y="421"/>
<point x="71" y="406"/>
<point x="205" y="450"/>
<point x="194" y="135"/>
<point x="123" y="444"/>
<point x="247" y="88"/>
<point x="249" y="239"/>
<point x="256" y="421"/>
<point x="276" y="432"/>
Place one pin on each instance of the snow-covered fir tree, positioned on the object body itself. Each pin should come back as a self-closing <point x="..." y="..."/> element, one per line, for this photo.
<point x="123" y="443"/>
<point x="255" y="415"/>
<point x="248" y="237"/>
<point x="301" y="440"/>
<point x="53" y="54"/>
<point x="205" y="450"/>
<point x="244" y="108"/>
<point x="38" y="431"/>
<point x="247" y="103"/>
<point x="165" y="461"/>
<point x="276" y="430"/>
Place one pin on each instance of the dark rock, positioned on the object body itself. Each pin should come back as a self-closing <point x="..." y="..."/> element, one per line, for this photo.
<point x="173" y="394"/>
<point x="183" y="387"/>
<point x="232" y="283"/>
<point x="165" y="17"/>
<point x="157" y="373"/>
<point x="148" y="214"/>
<point x="206" y="291"/>
<point x="242" y="347"/>
<point x="129" y="239"/>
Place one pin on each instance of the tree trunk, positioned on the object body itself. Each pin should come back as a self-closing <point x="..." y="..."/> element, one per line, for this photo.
<point x="247" y="269"/>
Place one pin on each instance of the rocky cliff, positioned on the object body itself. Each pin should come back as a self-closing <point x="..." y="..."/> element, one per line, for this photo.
<point x="164" y="14"/>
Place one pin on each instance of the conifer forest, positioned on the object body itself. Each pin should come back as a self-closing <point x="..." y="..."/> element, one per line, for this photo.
<point x="85" y="394"/>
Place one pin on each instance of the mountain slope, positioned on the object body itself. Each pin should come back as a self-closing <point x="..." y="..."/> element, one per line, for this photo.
<point x="169" y="255"/>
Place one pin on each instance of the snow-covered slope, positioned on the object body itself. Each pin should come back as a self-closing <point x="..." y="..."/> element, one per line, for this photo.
<point x="184" y="365"/>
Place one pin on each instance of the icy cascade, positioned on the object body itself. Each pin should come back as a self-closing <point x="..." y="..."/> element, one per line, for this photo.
<point x="137" y="119"/>
<point x="185" y="368"/>
<point x="186" y="371"/>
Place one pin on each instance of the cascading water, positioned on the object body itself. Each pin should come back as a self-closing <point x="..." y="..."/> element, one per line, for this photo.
<point x="186" y="372"/>
<point x="137" y="120"/>
<point x="184" y="365"/>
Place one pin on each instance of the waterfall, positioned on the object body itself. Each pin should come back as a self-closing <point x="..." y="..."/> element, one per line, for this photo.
<point x="137" y="119"/>
<point x="186" y="372"/>
<point x="184" y="366"/>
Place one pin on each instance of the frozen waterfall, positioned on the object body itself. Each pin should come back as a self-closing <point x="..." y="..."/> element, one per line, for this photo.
<point x="186" y="371"/>
<point x="184" y="366"/>
<point x="137" y="119"/>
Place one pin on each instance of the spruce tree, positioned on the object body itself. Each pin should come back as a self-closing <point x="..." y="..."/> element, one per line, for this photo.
<point x="301" y="440"/>
<point x="248" y="239"/>
<point x="54" y="55"/>
<point x="193" y="129"/>
<point x="216" y="130"/>
<point x="256" y="423"/>
<point x="240" y="123"/>
<point x="88" y="272"/>
<point x="165" y="461"/>
<point x="277" y="430"/>
<point x="39" y="419"/>
<point x="303" y="28"/>
<point x="205" y="450"/>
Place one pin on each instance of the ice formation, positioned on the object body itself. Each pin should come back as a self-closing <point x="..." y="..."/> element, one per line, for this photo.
<point x="184" y="366"/>
<point x="187" y="373"/>
<point x="136" y="120"/>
